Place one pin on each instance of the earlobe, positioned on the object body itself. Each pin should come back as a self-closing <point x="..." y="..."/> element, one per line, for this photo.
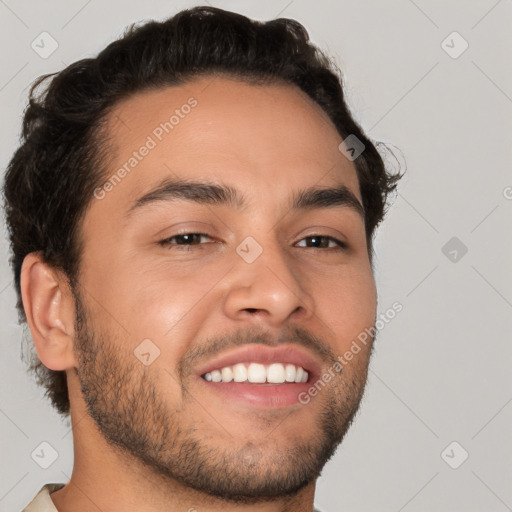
<point x="49" y="309"/>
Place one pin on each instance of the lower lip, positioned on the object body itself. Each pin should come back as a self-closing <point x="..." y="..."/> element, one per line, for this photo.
<point x="263" y="395"/>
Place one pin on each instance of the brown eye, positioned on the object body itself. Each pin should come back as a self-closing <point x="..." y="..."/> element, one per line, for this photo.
<point x="184" y="239"/>
<point x="322" y="242"/>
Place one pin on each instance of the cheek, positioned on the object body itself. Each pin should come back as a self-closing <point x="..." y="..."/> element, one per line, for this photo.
<point x="164" y="305"/>
<point x="348" y="307"/>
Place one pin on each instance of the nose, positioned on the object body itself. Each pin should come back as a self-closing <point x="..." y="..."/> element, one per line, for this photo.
<point x="268" y="290"/>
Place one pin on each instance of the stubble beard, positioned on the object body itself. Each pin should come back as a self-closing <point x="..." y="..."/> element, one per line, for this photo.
<point x="123" y="399"/>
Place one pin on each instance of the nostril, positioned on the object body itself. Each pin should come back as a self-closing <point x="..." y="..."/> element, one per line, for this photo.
<point x="251" y="310"/>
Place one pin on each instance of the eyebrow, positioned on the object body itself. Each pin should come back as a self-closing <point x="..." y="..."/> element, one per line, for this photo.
<point x="202" y="192"/>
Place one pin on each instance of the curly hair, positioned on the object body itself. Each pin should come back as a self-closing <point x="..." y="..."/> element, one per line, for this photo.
<point x="62" y="156"/>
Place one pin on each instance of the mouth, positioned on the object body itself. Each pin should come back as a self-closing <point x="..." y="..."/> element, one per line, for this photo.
<point x="261" y="375"/>
<point x="256" y="373"/>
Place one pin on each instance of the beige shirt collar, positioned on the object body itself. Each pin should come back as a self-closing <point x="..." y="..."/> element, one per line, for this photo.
<point x="42" y="501"/>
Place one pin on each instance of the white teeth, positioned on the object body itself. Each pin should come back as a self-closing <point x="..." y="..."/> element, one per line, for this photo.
<point x="275" y="373"/>
<point x="239" y="372"/>
<point x="256" y="373"/>
<point x="290" y="372"/>
<point x="227" y="374"/>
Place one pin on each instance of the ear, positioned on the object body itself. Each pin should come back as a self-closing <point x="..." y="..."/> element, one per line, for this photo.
<point x="50" y="310"/>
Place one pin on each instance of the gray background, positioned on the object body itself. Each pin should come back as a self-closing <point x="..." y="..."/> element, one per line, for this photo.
<point x="442" y="368"/>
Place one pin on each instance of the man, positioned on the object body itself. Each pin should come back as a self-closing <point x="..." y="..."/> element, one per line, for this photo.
<point x="191" y="216"/>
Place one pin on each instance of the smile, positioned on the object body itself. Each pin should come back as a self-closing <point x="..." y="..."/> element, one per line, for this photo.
<point x="274" y="373"/>
<point x="259" y="375"/>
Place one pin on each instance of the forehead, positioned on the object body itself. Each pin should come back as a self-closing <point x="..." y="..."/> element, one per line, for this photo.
<point x="266" y="139"/>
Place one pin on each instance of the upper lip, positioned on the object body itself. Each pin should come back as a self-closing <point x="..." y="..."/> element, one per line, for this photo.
<point x="263" y="354"/>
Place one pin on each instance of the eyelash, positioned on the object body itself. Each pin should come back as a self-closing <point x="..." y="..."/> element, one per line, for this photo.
<point x="187" y="247"/>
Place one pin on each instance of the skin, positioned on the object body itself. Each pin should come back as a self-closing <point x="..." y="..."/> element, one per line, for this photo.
<point x="268" y="142"/>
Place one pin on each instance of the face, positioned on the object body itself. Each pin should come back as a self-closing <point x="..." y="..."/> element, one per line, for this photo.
<point x="219" y="286"/>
